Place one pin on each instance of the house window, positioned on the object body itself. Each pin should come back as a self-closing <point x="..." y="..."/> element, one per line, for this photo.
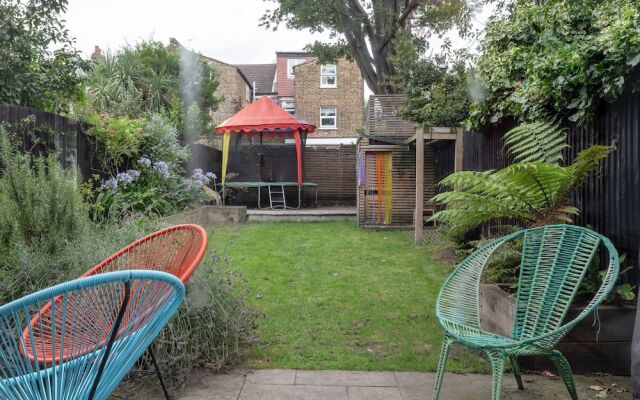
<point x="289" y="106"/>
<point x="328" y="76"/>
<point x="328" y="117"/>
<point x="292" y="62"/>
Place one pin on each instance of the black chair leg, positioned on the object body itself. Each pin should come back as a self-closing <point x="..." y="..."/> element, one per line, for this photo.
<point x="155" y="365"/>
<point x="114" y="333"/>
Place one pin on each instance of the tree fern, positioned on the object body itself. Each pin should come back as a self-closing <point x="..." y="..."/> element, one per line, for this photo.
<point x="537" y="141"/>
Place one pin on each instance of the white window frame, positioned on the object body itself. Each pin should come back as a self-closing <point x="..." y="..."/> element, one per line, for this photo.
<point x="291" y="110"/>
<point x="324" y="74"/>
<point x="335" y="118"/>
<point x="291" y="64"/>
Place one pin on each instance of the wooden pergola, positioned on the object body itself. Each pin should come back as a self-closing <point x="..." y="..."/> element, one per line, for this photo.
<point x="431" y="135"/>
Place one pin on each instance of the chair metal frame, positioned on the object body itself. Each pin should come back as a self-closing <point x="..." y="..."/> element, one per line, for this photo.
<point x="177" y="250"/>
<point x="99" y="325"/>
<point x="554" y="261"/>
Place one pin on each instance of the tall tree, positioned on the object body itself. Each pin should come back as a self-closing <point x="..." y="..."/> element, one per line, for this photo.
<point x="365" y="30"/>
<point x="38" y="60"/>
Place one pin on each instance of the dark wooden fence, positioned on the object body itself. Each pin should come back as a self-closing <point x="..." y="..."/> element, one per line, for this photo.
<point x="610" y="200"/>
<point x="333" y="168"/>
<point x="42" y="132"/>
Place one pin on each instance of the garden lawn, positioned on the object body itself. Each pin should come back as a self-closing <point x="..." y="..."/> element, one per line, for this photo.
<point x="338" y="297"/>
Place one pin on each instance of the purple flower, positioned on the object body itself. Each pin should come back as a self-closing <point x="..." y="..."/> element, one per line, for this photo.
<point x="111" y="183"/>
<point x="211" y="175"/>
<point x="198" y="184"/>
<point x="134" y="173"/>
<point x="144" y="161"/>
<point x="198" y="176"/>
<point x="129" y="176"/>
<point x="163" y="168"/>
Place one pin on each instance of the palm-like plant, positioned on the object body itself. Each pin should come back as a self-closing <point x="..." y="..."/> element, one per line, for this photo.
<point x="534" y="191"/>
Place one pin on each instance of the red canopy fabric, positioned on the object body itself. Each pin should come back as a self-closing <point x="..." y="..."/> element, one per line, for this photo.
<point x="266" y="117"/>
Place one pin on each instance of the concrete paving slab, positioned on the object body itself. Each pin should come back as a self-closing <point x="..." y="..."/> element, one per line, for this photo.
<point x="292" y="392"/>
<point x="357" y="385"/>
<point x="373" y="393"/>
<point x="414" y="378"/>
<point x="346" y="378"/>
<point x="271" y="377"/>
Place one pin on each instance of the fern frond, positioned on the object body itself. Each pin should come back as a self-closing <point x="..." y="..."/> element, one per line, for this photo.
<point x="536" y="142"/>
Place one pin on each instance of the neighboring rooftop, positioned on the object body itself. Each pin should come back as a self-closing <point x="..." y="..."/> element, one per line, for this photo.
<point x="262" y="74"/>
<point x="292" y="54"/>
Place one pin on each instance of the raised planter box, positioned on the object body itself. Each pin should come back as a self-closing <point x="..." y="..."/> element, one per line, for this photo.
<point x="602" y="345"/>
<point x="210" y="216"/>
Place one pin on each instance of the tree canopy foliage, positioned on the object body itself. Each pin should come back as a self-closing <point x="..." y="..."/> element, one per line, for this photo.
<point x="366" y="30"/>
<point x="436" y="86"/>
<point x="38" y="61"/>
<point x="557" y="58"/>
<point x="149" y="78"/>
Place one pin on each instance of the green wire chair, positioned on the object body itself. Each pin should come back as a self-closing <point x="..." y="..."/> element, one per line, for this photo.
<point x="554" y="261"/>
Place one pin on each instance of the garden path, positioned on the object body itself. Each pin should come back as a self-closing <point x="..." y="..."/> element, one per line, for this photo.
<point x="289" y="384"/>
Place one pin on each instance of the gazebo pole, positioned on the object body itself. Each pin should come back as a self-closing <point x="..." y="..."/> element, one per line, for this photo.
<point x="225" y="160"/>
<point x="419" y="185"/>
<point x="296" y="136"/>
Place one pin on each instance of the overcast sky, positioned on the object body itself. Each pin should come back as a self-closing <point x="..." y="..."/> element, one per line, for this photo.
<point x="227" y="30"/>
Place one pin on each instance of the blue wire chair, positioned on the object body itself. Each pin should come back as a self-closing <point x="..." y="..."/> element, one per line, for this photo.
<point x="95" y="327"/>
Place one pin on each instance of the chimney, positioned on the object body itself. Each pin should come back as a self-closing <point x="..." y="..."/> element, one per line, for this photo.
<point x="174" y="44"/>
<point x="97" y="54"/>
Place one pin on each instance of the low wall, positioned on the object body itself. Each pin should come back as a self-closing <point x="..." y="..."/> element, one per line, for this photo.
<point x="210" y="216"/>
<point x="602" y="345"/>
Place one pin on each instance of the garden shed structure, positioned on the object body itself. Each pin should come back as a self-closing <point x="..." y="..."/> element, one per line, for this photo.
<point x="397" y="175"/>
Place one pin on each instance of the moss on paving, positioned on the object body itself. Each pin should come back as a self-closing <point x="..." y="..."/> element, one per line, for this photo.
<point x="338" y="297"/>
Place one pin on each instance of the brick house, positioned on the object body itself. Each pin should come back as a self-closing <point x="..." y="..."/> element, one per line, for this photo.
<point x="284" y="80"/>
<point x="234" y="87"/>
<point x="331" y="97"/>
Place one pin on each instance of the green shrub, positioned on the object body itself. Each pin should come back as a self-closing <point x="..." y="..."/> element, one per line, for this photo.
<point x="119" y="139"/>
<point x="212" y="330"/>
<point x="47" y="238"/>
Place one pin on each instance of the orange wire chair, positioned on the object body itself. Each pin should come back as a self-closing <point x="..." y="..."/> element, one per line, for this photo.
<point x="176" y="250"/>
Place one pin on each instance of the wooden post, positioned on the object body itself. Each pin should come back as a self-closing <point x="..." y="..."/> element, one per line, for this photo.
<point x="418" y="216"/>
<point x="459" y="150"/>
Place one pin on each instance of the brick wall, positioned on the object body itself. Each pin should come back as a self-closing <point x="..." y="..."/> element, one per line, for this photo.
<point x="348" y="97"/>
<point x="232" y="87"/>
<point x="284" y="85"/>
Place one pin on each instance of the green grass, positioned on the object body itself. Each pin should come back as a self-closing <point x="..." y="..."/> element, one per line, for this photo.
<point x="338" y="297"/>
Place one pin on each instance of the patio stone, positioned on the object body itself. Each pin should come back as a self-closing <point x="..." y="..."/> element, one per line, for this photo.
<point x="414" y="378"/>
<point x="346" y="378"/>
<point x="271" y="377"/>
<point x="283" y="384"/>
<point x="292" y="392"/>
<point x="374" y="393"/>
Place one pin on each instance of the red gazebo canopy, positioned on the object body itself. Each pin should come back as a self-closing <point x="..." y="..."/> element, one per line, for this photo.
<point x="266" y="117"/>
<point x="263" y="117"/>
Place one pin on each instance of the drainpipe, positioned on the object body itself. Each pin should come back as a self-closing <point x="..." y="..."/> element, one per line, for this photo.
<point x="253" y="89"/>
